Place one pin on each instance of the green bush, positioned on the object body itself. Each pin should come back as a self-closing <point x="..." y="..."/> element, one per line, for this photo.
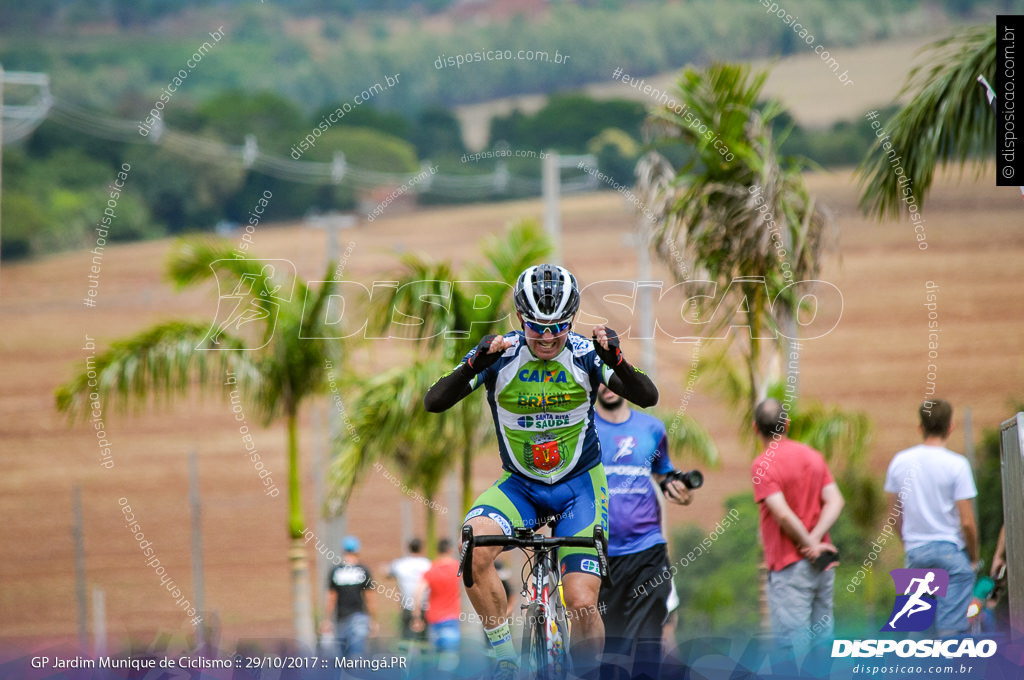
<point x="23" y="218"/>
<point x="718" y="590"/>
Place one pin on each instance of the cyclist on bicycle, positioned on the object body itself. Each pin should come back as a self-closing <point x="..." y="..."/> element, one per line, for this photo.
<point x="541" y="385"/>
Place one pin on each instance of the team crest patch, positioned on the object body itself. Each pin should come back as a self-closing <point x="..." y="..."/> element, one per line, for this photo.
<point x="543" y="448"/>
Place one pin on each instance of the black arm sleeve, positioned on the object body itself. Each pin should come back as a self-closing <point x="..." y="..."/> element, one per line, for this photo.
<point x="633" y="384"/>
<point x="449" y="390"/>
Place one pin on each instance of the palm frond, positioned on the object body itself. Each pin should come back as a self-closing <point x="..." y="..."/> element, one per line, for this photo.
<point x="420" y="306"/>
<point x="262" y="285"/>
<point x="946" y="120"/>
<point x="523" y="243"/>
<point x="163" y="361"/>
<point x="737" y="214"/>
<point x="840" y="436"/>
<point x="391" y="425"/>
<point x="716" y="216"/>
<point x="686" y="437"/>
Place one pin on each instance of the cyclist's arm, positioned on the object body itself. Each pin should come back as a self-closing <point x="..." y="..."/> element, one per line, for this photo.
<point x="452" y="388"/>
<point x="634" y="385"/>
<point x="626" y="381"/>
<point x="449" y="389"/>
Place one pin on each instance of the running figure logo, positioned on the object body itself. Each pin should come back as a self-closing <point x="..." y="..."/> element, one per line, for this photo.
<point x="253" y="302"/>
<point x="625" y="446"/>
<point x="914" y="610"/>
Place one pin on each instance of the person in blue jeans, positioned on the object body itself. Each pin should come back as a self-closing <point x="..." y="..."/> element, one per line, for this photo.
<point x="440" y="587"/>
<point x="353" y="607"/>
<point x="930" y="491"/>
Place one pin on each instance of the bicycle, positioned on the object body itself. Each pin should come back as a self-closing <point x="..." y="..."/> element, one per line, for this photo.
<point x="546" y="629"/>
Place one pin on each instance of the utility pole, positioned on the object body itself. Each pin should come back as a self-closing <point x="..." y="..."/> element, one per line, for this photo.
<point x="29" y="116"/>
<point x="551" y="181"/>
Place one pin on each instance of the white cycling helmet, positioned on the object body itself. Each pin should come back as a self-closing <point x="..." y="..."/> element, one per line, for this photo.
<point x="546" y="293"/>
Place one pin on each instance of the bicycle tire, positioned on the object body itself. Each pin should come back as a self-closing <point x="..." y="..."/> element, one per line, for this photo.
<point x="534" y="647"/>
<point x="557" y="627"/>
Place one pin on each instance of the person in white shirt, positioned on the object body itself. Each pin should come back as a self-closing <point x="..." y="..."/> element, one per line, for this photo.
<point x="930" y="490"/>
<point x="408" y="571"/>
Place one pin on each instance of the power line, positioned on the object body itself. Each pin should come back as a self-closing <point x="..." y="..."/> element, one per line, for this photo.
<point x="21" y="121"/>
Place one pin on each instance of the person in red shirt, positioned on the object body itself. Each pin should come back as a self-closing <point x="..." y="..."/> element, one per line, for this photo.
<point x="441" y="585"/>
<point x="799" y="503"/>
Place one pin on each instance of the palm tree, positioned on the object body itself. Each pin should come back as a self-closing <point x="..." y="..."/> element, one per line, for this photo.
<point x="274" y="369"/>
<point x="946" y="120"/>
<point x="453" y="312"/>
<point x="391" y="426"/>
<point x="735" y="213"/>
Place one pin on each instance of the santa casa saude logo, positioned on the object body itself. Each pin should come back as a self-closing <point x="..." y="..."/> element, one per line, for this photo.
<point x="917" y="593"/>
<point x="543" y="421"/>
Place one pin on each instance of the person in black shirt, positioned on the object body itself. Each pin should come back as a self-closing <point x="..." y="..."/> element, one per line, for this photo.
<point x="353" y="608"/>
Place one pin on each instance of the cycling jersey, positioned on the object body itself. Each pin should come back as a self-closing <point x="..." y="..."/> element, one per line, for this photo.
<point x="543" y="409"/>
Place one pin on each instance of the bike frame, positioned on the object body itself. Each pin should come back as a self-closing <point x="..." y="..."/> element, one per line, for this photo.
<point x="547" y="618"/>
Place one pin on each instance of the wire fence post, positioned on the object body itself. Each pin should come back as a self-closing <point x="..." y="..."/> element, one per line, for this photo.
<point x="99" y="622"/>
<point x="78" y="534"/>
<point x="195" y="510"/>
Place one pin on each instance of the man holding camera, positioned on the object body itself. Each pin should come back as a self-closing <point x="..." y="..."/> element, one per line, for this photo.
<point x="634" y="450"/>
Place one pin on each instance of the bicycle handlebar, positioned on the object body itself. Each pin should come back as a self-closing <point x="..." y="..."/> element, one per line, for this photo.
<point x="533" y="542"/>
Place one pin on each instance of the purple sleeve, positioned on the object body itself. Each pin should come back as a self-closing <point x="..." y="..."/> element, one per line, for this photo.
<point x="661" y="464"/>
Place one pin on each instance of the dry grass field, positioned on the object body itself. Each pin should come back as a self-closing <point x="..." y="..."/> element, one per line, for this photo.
<point x="874" y="360"/>
<point x="811" y="92"/>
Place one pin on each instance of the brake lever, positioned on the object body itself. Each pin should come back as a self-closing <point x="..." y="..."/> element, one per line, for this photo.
<point x="467" y="551"/>
<point x="601" y="545"/>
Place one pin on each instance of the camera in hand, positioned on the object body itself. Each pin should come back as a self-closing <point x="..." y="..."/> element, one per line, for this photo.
<point x="691" y="480"/>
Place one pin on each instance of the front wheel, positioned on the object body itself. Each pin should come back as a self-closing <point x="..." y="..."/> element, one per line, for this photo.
<point x="534" y="645"/>
<point x="545" y="639"/>
<point x="556" y="627"/>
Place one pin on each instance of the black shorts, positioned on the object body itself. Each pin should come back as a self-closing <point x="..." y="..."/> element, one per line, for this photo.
<point x="635" y="608"/>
